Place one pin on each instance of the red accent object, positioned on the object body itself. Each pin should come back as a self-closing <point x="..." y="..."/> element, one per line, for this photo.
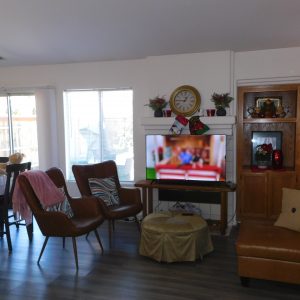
<point x="277" y="159"/>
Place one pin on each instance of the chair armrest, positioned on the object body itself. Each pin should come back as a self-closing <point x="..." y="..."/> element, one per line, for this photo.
<point x="130" y="196"/>
<point x="86" y="206"/>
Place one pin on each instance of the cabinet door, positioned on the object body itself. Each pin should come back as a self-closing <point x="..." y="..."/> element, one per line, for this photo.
<point x="253" y="195"/>
<point x="278" y="180"/>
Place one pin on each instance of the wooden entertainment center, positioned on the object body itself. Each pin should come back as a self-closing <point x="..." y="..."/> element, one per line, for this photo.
<point x="259" y="192"/>
<point x="147" y="196"/>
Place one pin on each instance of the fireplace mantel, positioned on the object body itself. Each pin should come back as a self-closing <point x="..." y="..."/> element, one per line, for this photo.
<point x="217" y="125"/>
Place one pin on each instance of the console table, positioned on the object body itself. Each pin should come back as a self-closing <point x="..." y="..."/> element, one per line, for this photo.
<point x="147" y="196"/>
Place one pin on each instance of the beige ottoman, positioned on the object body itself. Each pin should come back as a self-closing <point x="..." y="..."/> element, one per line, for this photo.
<point x="171" y="237"/>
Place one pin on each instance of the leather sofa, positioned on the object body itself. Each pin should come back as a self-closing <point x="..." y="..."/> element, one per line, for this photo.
<point x="268" y="252"/>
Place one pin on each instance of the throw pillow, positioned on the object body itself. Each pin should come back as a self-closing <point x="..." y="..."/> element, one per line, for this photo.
<point x="290" y="212"/>
<point x="105" y="188"/>
<point x="63" y="206"/>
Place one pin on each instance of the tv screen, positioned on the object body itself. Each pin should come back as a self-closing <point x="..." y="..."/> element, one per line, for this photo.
<point x="186" y="157"/>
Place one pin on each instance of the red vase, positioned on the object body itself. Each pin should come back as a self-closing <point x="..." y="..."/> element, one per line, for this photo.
<point x="277" y="159"/>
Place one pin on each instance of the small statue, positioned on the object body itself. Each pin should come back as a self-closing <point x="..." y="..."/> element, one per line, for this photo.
<point x="280" y="113"/>
<point x="254" y="112"/>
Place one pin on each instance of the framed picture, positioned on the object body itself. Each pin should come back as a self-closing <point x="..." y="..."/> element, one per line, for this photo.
<point x="265" y="137"/>
<point x="259" y="101"/>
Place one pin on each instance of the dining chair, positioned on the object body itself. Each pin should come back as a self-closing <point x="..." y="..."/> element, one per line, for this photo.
<point x="12" y="172"/>
<point x="93" y="180"/>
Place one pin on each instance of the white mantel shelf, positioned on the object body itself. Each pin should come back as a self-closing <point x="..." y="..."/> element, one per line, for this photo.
<point x="217" y="125"/>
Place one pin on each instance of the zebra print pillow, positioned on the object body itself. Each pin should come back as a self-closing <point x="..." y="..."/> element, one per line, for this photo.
<point x="63" y="206"/>
<point x="105" y="188"/>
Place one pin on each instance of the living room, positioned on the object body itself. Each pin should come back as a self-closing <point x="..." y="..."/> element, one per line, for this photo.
<point x="209" y="71"/>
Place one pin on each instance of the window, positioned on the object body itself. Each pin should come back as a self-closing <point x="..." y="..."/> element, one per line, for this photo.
<point x="18" y="127"/>
<point x="99" y="127"/>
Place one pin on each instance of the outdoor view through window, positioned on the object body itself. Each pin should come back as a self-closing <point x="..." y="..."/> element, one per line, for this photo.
<point x="99" y="127"/>
<point x="18" y="127"/>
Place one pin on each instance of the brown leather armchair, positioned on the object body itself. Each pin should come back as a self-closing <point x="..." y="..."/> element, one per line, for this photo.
<point x="130" y="198"/>
<point x="87" y="215"/>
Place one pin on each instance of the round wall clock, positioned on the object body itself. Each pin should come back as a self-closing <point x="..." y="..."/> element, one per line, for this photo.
<point x="185" y="100"/>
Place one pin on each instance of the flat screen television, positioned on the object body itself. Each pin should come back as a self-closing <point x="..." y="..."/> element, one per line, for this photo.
<point x="186" y="158"/>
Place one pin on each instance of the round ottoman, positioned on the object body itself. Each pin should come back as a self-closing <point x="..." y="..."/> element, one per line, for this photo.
<point x="172" y="237"/>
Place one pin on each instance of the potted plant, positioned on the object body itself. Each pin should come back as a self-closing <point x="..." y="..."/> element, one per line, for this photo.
<point x="221" y="101"/>
<point x="157" y="104"/>
<point x="263" y="155"/>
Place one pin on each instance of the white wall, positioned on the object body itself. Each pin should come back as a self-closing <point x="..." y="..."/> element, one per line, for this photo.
<point x="267" y="66"/>
<point x="208" y="72"/>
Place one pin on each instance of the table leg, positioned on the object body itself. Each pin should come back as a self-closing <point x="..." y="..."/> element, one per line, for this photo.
<point x="223" y="212"/>
<point x="145" y="202"/>
<point x="150" y="200"/>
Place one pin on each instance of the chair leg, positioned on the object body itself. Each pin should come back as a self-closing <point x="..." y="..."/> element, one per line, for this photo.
<point x="87" y="235"/>
<point x="113" y="225"/>
<point x="29" y="229"/>
<point x="1" y="221"/>
<point x="137" y="223"/>
<point x="43" y="248"/>
<point x="244" y="281"/>
<point x="7" y="231"/>
<point x="99" y="240"/>
<point x="16" y="221"/>
<point x="64" y="242"/>
<point x="110" y="232"/>
<point x="75" y="251"/>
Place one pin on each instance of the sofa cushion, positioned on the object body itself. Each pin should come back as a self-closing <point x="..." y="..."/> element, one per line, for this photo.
<point x="106" y="189"/>
<point x="290" y="212"/>
<point x="267" y="241"/>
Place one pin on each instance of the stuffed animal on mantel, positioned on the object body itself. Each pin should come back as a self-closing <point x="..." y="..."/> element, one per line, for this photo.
<point x="16" y="158"/>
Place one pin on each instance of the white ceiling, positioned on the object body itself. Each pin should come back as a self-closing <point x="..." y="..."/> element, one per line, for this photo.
<point x="68" y="31"/>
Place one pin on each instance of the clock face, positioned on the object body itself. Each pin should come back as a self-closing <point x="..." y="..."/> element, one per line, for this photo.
<point x="185" y="100"/>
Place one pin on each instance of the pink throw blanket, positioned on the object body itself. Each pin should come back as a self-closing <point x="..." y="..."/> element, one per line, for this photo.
<point x="45" y="190"/>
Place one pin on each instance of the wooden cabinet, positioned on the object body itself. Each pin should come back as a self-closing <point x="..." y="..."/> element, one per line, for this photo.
<point x="259" y="191"/>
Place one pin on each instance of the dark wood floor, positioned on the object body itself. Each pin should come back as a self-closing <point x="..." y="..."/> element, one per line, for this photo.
<point x="121" y="273"/>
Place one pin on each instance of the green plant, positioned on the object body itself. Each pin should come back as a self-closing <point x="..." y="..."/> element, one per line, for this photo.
<point x="157" y="103"/>
<point x="221" y="100"/>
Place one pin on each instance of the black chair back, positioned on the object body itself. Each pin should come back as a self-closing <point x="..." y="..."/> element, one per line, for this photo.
<point x="4" y="159"/>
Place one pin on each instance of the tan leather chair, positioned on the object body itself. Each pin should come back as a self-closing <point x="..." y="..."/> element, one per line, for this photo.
<point x="87" y="214"/>
<point x="130" y="198"/>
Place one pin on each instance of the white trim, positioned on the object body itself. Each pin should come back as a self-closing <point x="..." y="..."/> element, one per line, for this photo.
<point x="268" y="81"/>
<point x="217" y="125"/>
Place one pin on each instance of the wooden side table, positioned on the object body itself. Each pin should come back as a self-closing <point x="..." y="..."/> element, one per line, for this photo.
<point x="147" y="196"/>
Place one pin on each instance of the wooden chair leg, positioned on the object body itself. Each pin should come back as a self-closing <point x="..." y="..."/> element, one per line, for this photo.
<point x="244" y="281"/>
<point x="29" y="229"/>
<point x="43" y="248"/>
<point x="113" y="225"/>
<point x="1" y="221"/>
<point x="75" y="251"/>
<point x="16" y="221"/>
<point x="99" y="240"/>
<point x="137" y="223"/>
<point x="7" y="231"/>
<point x="110" y="232"/>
